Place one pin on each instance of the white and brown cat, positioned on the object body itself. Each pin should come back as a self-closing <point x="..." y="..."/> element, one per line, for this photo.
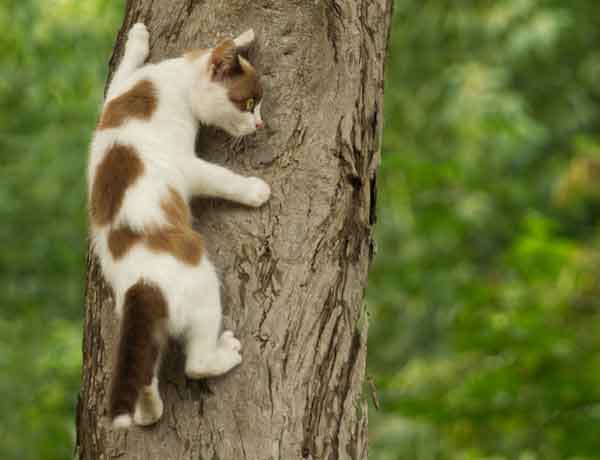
<point x="142" y="172"/>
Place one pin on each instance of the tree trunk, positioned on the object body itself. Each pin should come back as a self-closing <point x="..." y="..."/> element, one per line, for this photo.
<point x="294" y="271"/>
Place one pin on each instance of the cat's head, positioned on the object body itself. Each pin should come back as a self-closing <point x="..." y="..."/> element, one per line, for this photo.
<point x="229" y="95"/>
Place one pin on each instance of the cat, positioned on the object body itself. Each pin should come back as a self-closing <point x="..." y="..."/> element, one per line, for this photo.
<point x="142" y="171"/>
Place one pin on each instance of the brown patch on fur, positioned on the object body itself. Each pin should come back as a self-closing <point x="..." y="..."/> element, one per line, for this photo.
<point x="176" y="209"/>
<point x="182" y="243"/>
<point x="237" y="75"/>
<point x="119" y="169"/>
<point x="224" y="60"/>
<point x="178" y="238"/>
<point x="121" y="240"/>
<point x="196" y="54"/>
<point x="143" y="336"/>
<point x="139" y="102"/>
<point x="244" y="86"/>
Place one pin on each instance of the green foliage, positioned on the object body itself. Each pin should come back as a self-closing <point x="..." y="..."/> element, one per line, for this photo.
<point x="52" y="65"/>
<point x="483" y="293"/>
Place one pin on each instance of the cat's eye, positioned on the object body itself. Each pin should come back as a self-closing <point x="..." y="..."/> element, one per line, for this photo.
<point x="249" y="105"/>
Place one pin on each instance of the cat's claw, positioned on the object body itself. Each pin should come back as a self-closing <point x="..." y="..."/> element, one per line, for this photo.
<point x="258" y="192"/>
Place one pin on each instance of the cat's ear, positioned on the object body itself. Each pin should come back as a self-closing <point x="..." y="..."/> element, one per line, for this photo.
<point x="224" y="60"/>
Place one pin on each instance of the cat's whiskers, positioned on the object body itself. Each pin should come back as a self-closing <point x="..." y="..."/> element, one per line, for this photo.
<point x="236" y="142"/>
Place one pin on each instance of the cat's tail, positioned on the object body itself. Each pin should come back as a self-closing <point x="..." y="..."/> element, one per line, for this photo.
<point x="143" y="336"/>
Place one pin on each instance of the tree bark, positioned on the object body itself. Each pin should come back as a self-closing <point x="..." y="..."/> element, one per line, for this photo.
<point x="293" y="272"/>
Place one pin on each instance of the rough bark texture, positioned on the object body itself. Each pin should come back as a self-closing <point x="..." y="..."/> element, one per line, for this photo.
<point x="293" y="272"/>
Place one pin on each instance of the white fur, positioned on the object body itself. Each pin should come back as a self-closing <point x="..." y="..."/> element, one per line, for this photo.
<point x="245" y="39"/>
<point x="149" y="408"/>
<point x="165" y="144"/>
<point x="122" y="422"/>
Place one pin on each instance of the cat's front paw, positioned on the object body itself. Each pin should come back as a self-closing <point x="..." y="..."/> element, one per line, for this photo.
<point x="138" y="41"/>
<point x="257" y="192"/>
<point x="139" y="32"/>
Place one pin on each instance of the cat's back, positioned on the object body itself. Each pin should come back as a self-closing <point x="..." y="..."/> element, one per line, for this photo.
<point x="144" y="112"/>
<point x="126" y="115"/>
<point x="129" y="170"/>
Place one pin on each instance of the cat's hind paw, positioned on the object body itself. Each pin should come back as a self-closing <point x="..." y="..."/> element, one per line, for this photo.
<point x="228" y="352"/>
<point x="145" y="417"/>
<point x="122" y="422"/>
<point x="149" y="407"/>
<point x="228" y="340"/>
<point x="225" y="357"/>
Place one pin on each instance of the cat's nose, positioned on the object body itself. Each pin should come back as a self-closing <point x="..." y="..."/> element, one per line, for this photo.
<point x="260" y="124"/>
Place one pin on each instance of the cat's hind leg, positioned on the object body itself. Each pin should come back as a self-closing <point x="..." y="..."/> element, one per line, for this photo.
<point x="136" y="52"/>
<point x="209" y="352"/>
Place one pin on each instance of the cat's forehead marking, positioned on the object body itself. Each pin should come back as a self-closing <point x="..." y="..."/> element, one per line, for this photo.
<point x="138" y="102"/>
<point x="118" y="171"/>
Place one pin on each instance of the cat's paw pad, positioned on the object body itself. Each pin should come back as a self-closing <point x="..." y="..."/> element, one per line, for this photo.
<point x="227" y="340"/>
<point x="258" y="191"/>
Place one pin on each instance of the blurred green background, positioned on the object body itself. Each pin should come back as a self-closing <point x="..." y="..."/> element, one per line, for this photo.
<point x="484" y="340"/>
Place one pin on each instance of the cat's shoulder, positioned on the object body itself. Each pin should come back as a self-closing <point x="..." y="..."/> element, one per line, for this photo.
<point x="138" y="100"/>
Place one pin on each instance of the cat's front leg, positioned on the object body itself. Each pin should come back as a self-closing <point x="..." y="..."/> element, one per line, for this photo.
<point x="136" y="52"/>
<point x="204" y="178"/>
<point x="137" y="46"/>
